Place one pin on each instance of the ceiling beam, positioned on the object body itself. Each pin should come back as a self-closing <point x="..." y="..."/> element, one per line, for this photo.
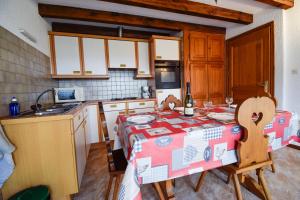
<point x="105" y="31"/>
<point x="191" y="8"/>
<point x="64" y="12"/>
<point x="285" y="4"/>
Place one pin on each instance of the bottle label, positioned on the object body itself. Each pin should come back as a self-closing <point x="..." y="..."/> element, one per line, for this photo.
<point x="189" y="111"/>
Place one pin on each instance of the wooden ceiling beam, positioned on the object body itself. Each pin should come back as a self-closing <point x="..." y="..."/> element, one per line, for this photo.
<point x="191" y="8"/>
<point x="64" y="12"/>
<point x="105" y="31"/>
<point x="284" y="4"/>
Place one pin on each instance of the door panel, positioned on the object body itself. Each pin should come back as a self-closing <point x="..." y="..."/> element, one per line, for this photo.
<point x="166" y="49"/>
<point x="199" y="83"/>
<point x="251" y="63"/>
<point x="215" y="47"/>
<point x="216" y="83"/>
<point x="198" y="47"/>
<point x="121" y="54"/>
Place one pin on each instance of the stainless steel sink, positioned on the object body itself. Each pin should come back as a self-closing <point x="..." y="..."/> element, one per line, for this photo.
<point x="50" y="111"/>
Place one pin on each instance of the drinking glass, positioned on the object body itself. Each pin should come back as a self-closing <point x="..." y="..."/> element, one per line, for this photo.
<point x="229" y="101"/>
<point x="207" y="104"/>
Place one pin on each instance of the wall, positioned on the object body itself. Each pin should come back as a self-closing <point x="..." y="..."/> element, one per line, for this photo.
<point x="24" y="72"/>
<point x="15" y="14"/>
<point x="268" y="15"/>
<point x="120" y="84"/>
<point x="291" y="58"/>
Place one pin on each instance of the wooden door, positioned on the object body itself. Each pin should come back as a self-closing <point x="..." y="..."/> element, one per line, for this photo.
<point x="216" y="86"/>
<point x="94" y="57"/>
<point x="198" y="46"/>
<point x="215" y="45"/>
<point x="199" y="82"/>
<point x="67" y="57"/>
<point x="121" y="54"/>
<point x="251" y="63"/>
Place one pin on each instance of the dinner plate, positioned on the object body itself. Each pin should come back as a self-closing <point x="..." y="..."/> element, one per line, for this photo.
<point x="141" y="119"/>
<point x="221" y="116"/>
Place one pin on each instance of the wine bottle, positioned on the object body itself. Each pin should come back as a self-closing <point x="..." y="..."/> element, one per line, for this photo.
<point x="188" y="102"/>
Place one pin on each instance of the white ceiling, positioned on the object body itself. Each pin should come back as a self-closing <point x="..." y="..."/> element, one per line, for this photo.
<point x="249" y="6"/>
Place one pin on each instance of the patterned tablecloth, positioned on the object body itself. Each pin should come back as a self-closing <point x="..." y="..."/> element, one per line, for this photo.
<point x="175" y="146"/>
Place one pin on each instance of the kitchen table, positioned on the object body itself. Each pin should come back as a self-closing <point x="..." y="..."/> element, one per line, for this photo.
<point x="173" y="145"/>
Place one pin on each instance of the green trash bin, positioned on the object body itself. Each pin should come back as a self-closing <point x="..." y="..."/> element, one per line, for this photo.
<point x="34" y="193"/>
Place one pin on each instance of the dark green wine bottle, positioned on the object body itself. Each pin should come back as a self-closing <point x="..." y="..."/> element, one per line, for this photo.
<point x="188" y="102"/>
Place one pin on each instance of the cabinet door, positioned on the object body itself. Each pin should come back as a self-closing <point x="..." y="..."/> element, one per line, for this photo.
<point x="216" y="45"/>
<point x="80" y="152"/>
<point x="94" y="56"/>
<point x="111" y="118"/>
<point x="198" y="46"/>
<point x="87" y="137"/>
<point x="92" y="124"/>
<point x="166" y="49"/>
<point x="199" y="83"/>
<point x="121" y="54"/>
<point x="216" y="83"/>
<point x="144" y="60"/>
<point x="67" y="57"/>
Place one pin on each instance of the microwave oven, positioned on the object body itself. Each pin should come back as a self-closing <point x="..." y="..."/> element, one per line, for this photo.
<point x="66" y="95"/>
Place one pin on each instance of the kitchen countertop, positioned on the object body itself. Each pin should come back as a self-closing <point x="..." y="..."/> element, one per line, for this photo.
<point x="62" y="116"/>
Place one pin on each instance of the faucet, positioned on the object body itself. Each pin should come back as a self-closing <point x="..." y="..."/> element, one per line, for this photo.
<point x="37" y="100"/>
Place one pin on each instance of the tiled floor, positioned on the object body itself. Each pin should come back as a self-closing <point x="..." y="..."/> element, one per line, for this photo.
<point x="284" y="185"/>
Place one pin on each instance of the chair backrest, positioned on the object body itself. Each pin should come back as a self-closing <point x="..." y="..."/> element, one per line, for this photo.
<point x="171" y="102"/>
<point x="110" y="160"/>
<point x="253" y="148"/>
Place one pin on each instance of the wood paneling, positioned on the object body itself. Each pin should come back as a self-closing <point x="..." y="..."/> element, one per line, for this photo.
<point x="251" y="63"/>
<point x="192" y="8"/>
<point x="64" y="12"/>
<point x="204" y="66"/>
<point x="216" y="80"/>
<point x="199" y="82"/>
<point x="216" y="47"/>
<point x="98" y="30"/>
<point x="285" y="4"/>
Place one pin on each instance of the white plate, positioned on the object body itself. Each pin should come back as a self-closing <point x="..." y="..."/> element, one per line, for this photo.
<point x="141" y="119"/>
<point x="221" y="116"/>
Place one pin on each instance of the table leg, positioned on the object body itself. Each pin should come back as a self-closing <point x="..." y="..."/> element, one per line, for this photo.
<point x="170" y="190"/>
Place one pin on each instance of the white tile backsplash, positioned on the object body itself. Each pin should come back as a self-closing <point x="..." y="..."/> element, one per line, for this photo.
<point x="120" y="84"/>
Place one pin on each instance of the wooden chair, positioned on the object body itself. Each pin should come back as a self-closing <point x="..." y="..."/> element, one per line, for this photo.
<point x="252" y="150"/>
<point x="171" y="102"/>
<point x="117" y="164"/>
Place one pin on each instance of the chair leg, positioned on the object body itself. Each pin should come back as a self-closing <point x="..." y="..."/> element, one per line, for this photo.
<point x="159" y="191"/>
<point x="271" y="158"/>
<point x="229" y="178"/>
<point x="237" y="187"/>
<point x="116" y="189"/>
<point x="200" y="181"/>
<point x="263" y="183"/>
<point x="108" y="187"/>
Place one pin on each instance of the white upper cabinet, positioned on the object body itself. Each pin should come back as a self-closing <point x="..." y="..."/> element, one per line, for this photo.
<point x="67" y="55"/>
<point x="121" y="54"/>
<point x="144" y="60"/>
<point x="166" y="49"/>
<point x="94" y="56"/>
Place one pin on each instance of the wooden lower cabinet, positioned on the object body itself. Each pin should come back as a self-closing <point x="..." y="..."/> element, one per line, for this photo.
<point x="50" y="150"/>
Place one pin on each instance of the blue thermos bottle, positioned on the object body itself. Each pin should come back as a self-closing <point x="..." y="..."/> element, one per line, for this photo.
<point x="14" y="107"/>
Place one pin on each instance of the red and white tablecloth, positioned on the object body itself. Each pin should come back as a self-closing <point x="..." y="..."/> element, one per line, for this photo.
<point x="174" y="146"/>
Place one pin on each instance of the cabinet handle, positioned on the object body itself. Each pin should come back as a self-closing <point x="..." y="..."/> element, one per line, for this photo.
<point x="158" y="57"/>
<point x="142" y="103"/>
<point x="159" y="92"/>
<point x="131" y="112"/>
<point x="113" y="106"/>
<point x="141" y="72"/>
<point x="76" y="72"/>
<point x="122" y="65"/>
<point x="89" y="72"/>
<point x="122" y="113"/>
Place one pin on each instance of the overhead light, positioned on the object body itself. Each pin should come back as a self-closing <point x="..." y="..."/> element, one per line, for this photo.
<point x="27" y="35"/>
<point x="120" y="31"/>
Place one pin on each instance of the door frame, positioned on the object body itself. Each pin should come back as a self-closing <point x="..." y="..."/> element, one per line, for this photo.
<point x="269" y="25"/>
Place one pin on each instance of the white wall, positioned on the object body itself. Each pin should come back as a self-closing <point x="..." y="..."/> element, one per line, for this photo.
<point x="268" y="15"/>
<point x="292" y="58"/>
<point x="15" y="14"/>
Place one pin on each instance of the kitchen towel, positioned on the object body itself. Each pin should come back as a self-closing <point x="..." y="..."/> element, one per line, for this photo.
<point x="6" y="161"/>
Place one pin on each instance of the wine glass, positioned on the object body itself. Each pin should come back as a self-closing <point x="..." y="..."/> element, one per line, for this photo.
<point x="207" y="104"/>
<point x="229" y="101"/>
